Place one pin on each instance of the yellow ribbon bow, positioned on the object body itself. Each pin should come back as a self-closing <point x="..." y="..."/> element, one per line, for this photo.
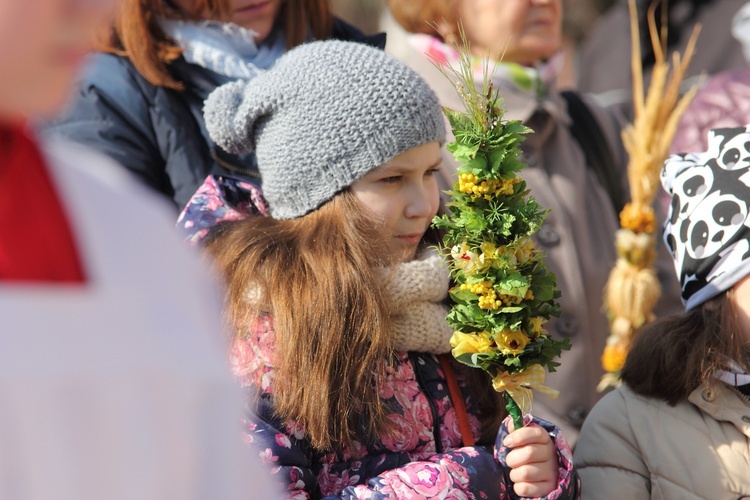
<point x="519" y="385"/>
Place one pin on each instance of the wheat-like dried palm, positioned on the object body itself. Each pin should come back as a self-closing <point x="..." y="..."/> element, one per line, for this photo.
<point x="633" y="289"/>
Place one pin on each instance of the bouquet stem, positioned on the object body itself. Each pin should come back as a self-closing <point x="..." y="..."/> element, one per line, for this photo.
<point x="514" y="411"/>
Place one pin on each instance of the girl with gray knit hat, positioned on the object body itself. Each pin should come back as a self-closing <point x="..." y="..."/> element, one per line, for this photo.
<point x="339" y="304"/>
<point x="679" y="427"/>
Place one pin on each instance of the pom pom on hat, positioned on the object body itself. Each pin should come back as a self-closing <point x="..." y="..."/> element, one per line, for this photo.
<point x="222" y="103"/>
<point x="708" y="226"/>
<point x="325" y="115"/>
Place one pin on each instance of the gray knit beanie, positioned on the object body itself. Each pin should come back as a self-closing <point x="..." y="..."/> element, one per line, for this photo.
<point x="325" y="115"/>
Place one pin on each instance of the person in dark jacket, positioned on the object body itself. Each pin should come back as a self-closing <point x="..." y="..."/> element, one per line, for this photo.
<point x="141" y="100"/>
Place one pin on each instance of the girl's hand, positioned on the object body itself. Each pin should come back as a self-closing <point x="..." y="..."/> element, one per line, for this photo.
<point x="533" y="461"/>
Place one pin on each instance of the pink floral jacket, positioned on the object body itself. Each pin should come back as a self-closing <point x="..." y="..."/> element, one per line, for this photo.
<point x="423" y="458"/>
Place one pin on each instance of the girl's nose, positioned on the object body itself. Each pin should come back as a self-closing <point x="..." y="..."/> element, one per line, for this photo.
<point x="422" y="201"/>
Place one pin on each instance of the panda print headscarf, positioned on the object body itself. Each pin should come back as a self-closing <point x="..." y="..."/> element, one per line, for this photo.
<point x="707" y="229"/>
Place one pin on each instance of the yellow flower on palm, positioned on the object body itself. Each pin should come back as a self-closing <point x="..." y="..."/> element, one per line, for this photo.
<point x="613" y="358"/>
<point x="489" y="249"/>
<point x="535" y="326"/>
<point x="507" y="257"/>
<point x="471" y="343"/>
<point x="512" y="342"/>
<point x="638" y="218"/>
<point x="525" y="251"/>
<point x="508" y="186"/>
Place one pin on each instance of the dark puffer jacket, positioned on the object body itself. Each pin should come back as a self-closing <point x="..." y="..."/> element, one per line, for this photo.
<point x="155" y="132"/>
<point x="423" y="456"/>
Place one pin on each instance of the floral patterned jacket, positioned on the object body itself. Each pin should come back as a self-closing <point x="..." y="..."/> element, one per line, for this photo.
<point x="423" y="458"/>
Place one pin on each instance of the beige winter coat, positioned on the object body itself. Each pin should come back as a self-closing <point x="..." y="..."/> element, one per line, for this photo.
<point x="633" y="447"/>
<point x="578" y="235"/>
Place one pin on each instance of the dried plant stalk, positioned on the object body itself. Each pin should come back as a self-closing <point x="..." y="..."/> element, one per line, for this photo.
<point x="633" y="289"/>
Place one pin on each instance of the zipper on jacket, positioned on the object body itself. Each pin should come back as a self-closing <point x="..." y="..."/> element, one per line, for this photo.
<point x="435" y="421"/>
<point x="231" y="167"/>
<point x="744" y="397"/>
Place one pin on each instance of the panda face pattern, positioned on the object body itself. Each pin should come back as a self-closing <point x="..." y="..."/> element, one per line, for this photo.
<point x="712" y="224"/>
<point x="735" y="152"/>
<point x="708" y="217"/>
<point x="689" y="188"/>
<point x="676" y="165"/>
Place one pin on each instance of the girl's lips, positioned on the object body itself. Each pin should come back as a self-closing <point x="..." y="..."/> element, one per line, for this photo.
<point x="253" y="7"/>
<point x="540" y="23"/>
<point x="410" y="238"/>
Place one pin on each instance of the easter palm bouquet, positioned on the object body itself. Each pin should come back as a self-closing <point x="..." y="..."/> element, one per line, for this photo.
<point x="503" y="293"/>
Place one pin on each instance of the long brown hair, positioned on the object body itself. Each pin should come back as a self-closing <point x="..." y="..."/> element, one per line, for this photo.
<point x="135" y="32"/>
<point x="672" y="356"/>
<point x="317" y="276"/>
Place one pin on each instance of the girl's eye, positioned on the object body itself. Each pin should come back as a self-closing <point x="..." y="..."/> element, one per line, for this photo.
<point x="391" y="180"/>
<point x="432" y="171"/>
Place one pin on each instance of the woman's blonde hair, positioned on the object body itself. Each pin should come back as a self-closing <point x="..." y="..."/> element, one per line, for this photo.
<point x="135" y="32"/>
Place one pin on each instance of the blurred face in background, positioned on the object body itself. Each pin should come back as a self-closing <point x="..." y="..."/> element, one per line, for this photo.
<point x="42" y="46"/>
<point x="256" y="15"/>
<point x="520" y="31"/>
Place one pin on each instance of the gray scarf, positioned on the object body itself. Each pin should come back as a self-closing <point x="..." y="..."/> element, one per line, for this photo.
<point x="226" y="49"/>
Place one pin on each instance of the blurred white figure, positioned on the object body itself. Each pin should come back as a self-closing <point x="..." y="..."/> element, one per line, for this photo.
<point x="113" y="380"/>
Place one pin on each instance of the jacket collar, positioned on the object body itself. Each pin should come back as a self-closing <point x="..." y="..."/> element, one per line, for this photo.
<point x="724" y="404"/>
<point x="348" y="33"/>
